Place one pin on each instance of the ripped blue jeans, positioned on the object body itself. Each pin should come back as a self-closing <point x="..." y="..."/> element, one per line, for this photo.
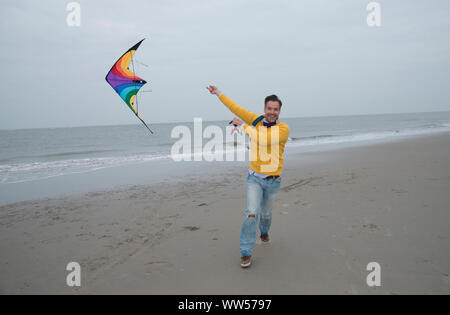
<point x="261" y="195"/>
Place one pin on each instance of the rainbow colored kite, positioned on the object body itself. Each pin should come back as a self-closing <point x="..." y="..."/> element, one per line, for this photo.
<point x="125" y="82"/>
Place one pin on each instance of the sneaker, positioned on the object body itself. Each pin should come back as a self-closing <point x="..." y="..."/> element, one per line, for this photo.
<point x="265" y="239"/>
<point x="246" y="261"/>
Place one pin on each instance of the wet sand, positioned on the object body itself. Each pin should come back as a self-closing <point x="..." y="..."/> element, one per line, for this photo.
<point x="336" y="212"/>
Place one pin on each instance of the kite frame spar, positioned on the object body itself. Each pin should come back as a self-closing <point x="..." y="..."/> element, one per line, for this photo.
<point x="126" y="83"/>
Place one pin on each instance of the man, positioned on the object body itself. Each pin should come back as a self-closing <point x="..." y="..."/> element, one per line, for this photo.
<point x="268" y="137"/>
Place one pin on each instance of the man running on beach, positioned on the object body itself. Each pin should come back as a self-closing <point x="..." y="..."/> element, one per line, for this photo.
<point x="268" y="137"/>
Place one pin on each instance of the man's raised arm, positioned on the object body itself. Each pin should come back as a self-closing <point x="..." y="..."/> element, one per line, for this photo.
<point x="239" y="111"/>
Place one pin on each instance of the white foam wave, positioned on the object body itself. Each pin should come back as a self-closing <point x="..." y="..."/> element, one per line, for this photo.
<point x="364" y="137"/>
<point x="21" y="172"/>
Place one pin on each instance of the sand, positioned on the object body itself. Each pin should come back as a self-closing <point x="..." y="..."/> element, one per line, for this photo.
<point x="336" y="212"/>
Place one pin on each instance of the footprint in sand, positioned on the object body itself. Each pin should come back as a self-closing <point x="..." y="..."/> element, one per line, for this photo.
<point x="399" y="191"/>
<point x="96" y="263"/>
<point x="191" y="228"/>
<point x="371" y="226"/>
<point x="303" y="203"/>
<point x="446" y="278"/>
<point x="213" y="234"/>
<point x="157" y="267"/>
<point x="299" y="184"/>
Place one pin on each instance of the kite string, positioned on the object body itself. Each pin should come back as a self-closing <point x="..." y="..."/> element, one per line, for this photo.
<point x="139" y="62"/>
<point x="134" y="79"/>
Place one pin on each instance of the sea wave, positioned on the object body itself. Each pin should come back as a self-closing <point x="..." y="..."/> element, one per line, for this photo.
<point x="364" y="137"/>
<point x="71" y="153"/>
<point x="21" y="172"/>
<point x="28" y="171"/>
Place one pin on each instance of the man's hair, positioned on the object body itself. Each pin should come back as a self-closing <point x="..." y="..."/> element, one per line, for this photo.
<point x="272" y="98"/>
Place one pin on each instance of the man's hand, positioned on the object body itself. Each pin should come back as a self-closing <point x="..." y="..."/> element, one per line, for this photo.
<point x="213" y="90"/>
<point x="236" y="122"/>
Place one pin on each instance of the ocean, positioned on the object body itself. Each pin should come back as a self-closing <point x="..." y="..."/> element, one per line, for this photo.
<point x="33" y="155"/>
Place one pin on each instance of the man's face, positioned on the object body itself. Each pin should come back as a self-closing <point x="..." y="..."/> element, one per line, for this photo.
<point x="272" y="111"/>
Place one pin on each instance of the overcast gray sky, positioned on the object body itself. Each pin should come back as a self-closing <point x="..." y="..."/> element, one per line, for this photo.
<point x="320" y="57"/>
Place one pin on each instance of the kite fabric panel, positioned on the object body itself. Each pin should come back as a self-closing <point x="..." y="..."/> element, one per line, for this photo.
<point x="125" y="82"/>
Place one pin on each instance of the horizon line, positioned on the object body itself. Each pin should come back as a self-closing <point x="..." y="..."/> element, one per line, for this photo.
<point x="172" y="122"/>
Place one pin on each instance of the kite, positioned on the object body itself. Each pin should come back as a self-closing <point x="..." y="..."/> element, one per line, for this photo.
<point x="126" y="83"/>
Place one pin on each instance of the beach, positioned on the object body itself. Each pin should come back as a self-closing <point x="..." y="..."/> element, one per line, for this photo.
<point x="337" y="211"/>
